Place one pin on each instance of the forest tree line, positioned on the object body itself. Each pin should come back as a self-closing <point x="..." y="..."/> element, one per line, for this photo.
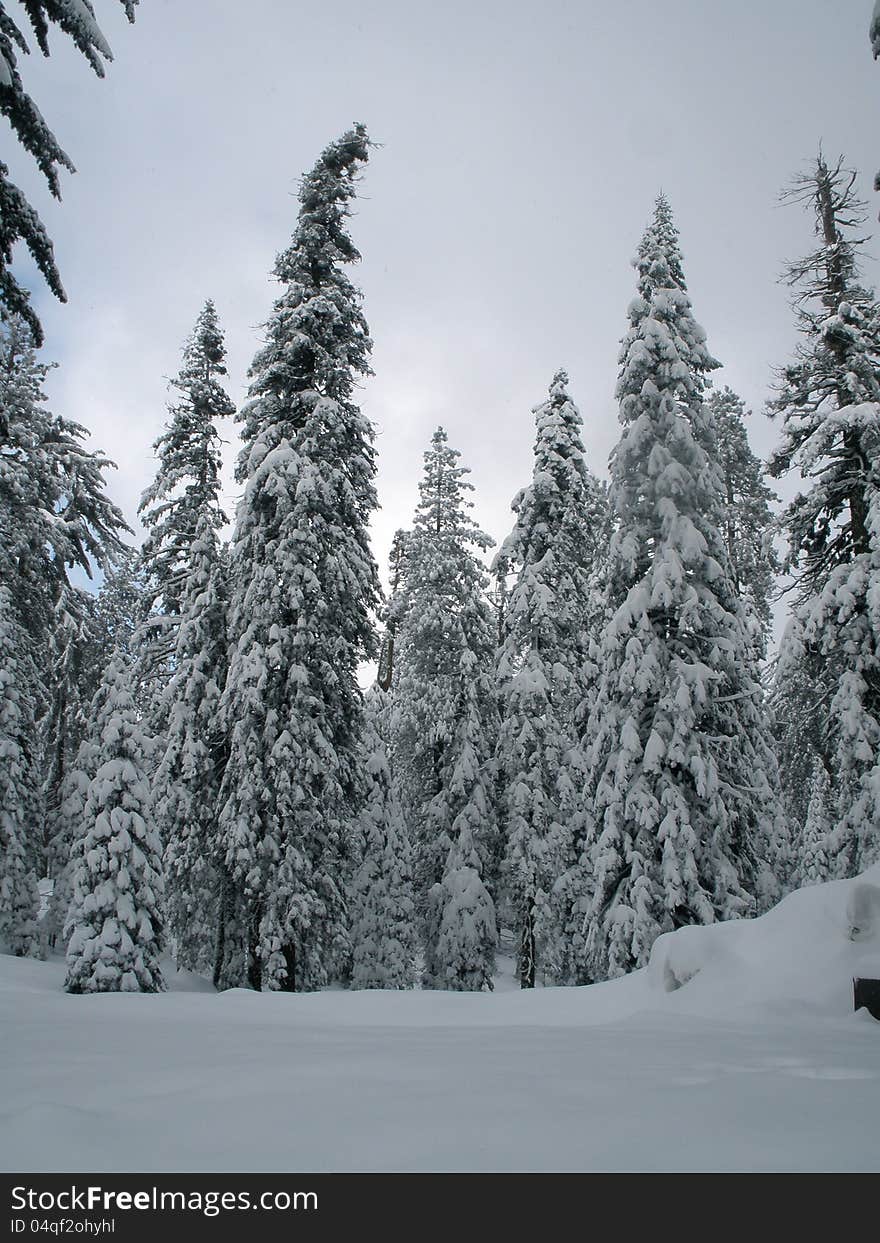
<point x="579" y="739"/>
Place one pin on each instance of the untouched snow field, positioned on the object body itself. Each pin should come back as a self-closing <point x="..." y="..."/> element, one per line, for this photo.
<point x="736" y="1049"/>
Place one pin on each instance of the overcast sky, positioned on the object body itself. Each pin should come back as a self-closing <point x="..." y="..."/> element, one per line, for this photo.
<point x="523" y="145"/>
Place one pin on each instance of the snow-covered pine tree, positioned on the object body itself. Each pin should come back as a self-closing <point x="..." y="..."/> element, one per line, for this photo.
<point x="445" y="723"/>
<point x="119" y="608"/>
<point x="812" y="863"/>
<point x="383" y="934"/>
<point x="828" y="400"/>
<point x="682" y="773"/>
<point x="205" y="931"/>
<point x="18" y="220"/>
<point x="184" y="493"/>
<point x="19" y="854"/>
<point x="115" y="923"/>
<point x="748" y="520"/>
<point x="67" y="822"/>
<point x="304" y="587"/>
<point x="801" y="690"/>
<point x="19" y="895"/>
<point x="107" y="624"/>
<point x="54" y="515"/>
<point x="75" y="669"/>
<point x="461" y="955"/>
<point x="550" y="612"/>
<point x="747" y="528"/>
<point x="186" y="489"/>
<point x="385" y="674"/>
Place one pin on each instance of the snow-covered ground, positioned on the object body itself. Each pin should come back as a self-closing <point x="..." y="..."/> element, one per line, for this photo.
<point x="737" y="1049"/>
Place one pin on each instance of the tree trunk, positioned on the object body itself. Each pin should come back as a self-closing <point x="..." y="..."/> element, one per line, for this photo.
<point x="223" y="922"/>
<point x="527" y="953"/>
<point x="858" y="505"/>
<point x="254" y="962"/>
<point x="836" y="278"/>
<point x="230" y="959"/>
<point x="288" y="984"/>
<point x="385" y="674"/>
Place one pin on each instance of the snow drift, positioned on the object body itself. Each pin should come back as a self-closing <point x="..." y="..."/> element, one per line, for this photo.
<point x="807" y="949"/>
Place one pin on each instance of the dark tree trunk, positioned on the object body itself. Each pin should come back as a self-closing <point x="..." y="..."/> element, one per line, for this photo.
<point x="223" y="919"/>
<point x="527" y="952"/>
<point x="858" y="505"/>
<point x="288" y="985"/>
<point x="230" y="962"/>
<point x="385" y="674"/>
<point x="732" y="548"/>
<point x="220" y="948"/>
<point x="254" y="962"/>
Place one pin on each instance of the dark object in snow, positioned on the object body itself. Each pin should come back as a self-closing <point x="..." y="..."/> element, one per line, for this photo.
<point x="867" y="993"/>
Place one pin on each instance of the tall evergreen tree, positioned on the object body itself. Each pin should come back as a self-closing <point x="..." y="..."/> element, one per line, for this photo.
<point x="385" y="675"/>
<point x="682" y="774"/>
<point x="550" y="613"/>
<point x="747" y="517"/>
<point x="18" y="220"/>
<point x="828" y="400"/>
<point x="184" y="493"/>
<point x="54" y="516"/>
<point x="384" y="941"/>
<point x="304" y="588"/>
<point x="187" y="782"/>
<point x="461" y="949"/>
<point x="115" y="923"/>
<point x="445" y="723"/>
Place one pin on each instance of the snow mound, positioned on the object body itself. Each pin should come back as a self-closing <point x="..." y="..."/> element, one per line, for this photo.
<point x="805" y="951"/>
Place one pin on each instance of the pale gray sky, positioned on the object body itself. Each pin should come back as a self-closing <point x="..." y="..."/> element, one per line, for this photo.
<point x="523" y="146"/>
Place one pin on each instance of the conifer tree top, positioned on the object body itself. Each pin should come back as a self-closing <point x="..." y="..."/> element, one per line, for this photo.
<point x="661" y="313"/>
<point x="828" y="395"/>
<point x="205" y="347"/>
<point x="317" y="340"/>
<point x="320" y="237"/>
<point x="561" y="481"/>
<point x="663" y="360"/>
<point x="829" y="273"/>
<point x="443" y="504"/>
<point x="189" y="454"/>
<point x="660" y="238"/>
<point x="559" y="408"/>
<point x="559" y="382"/>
